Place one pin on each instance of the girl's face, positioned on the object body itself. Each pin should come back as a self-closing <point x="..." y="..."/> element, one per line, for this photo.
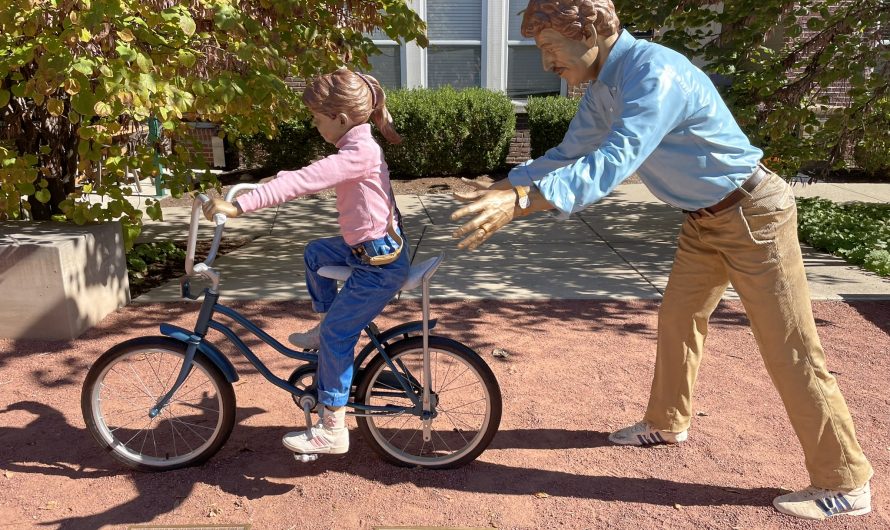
<point x="331" y="129"/>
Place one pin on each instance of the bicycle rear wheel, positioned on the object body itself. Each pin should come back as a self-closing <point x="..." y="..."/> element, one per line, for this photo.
<point x="466" y="402"/>
<point x="128" y="380"/>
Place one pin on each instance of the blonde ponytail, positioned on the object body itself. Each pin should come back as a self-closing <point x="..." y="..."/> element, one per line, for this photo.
<point x="380" y="114"/>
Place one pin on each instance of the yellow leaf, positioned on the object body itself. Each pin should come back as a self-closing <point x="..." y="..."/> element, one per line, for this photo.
<point x="542" y="495"/>
<point x="71" y="86"/>
<point x="55" y="107"/>
<point x="126" y="35"/>
<point x="102" y="109"/>
<point x="8" y="474"/>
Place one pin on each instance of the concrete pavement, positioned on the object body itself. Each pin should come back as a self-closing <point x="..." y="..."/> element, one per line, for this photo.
<point x="620" y="248"/>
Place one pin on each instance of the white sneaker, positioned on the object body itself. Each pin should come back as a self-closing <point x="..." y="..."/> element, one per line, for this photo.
<point x="328" y="436"/>
<point x="310" y="340"/>
<point x="817" y="503"/>
<point x="642" y="434"/>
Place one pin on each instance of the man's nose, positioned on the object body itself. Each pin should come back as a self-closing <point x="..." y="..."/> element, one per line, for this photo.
<point x="545" y="61"/>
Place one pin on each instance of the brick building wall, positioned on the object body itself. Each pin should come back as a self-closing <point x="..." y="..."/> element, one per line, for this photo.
<point x="203" y="133"/>
<point x="520" y="146"/>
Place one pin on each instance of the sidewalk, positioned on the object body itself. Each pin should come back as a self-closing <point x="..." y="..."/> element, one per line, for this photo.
<point x="620" y="248"/>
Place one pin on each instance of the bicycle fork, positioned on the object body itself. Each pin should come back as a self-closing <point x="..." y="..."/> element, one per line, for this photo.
<point x="427" y="371"/>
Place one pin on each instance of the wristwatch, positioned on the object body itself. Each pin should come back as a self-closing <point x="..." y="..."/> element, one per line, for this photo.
<point x="522" y="197"/>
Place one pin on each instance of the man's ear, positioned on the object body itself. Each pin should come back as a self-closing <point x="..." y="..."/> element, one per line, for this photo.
<point x="590" y="40"/>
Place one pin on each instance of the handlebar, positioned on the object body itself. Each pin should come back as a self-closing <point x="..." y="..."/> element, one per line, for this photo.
<point x="204" y="269"/>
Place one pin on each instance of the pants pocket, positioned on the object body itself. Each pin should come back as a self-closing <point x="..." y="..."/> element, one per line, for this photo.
<point x="769" y="210"/>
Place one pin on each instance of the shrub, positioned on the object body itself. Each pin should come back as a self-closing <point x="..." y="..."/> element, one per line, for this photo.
<point x="447" y="132"/>
<point x="857" y="232"/>
<point x="296" y="145"/>
<point x="548" y="121"/>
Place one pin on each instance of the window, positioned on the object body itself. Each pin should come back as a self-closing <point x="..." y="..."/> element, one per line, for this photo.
<point x="454" y="57"/>
<point x="525" y="74"/>
<point x="386" y="67"/>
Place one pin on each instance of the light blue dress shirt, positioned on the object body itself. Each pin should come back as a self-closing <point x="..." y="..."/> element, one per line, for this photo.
<point x="654" y="113"/>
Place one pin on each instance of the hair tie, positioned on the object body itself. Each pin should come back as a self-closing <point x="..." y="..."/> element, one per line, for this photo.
<point x="371" y="88"/>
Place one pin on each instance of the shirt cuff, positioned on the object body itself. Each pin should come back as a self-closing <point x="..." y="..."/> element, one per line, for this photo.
<point x="519" y="176"/>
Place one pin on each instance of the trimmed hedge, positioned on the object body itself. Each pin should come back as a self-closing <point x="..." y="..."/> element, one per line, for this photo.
<point x="444" y="132"/>
<point x="296" y="145"/>
<point x="548" y="121"/>
<point x="449" y="132"/>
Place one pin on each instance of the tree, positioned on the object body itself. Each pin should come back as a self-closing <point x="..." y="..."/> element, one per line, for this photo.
<point x="77" y="75"/>
<point x="781" y="58"/>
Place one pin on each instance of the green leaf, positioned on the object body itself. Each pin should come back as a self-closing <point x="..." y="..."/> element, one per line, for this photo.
<point x="43" y="195"/>
<point x="143" y="62"/>
<point x="4" y="98"/>
<point x="186" y="58"/>
<point x="83" y="102"/>
<point x="187" y="25"/>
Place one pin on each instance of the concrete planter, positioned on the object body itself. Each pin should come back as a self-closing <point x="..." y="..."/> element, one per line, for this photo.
<point x="57" y="279"/>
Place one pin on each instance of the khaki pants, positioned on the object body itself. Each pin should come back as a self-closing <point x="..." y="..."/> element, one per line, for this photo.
<point x="754" y="246"/>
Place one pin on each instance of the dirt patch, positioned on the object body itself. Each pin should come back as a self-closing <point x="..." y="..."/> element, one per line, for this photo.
<point x="576" y="370"/>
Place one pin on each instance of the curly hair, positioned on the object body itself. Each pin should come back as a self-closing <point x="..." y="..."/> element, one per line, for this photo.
<point x="570" y="18"/>
<point x="359" y="96"/>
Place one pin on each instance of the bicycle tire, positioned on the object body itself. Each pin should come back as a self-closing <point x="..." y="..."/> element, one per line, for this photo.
<point x="110" y="386"/>
<point x="445" y="355"/>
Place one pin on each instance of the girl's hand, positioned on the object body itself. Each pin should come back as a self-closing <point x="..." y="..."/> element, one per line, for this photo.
<point x="215" y="206"/>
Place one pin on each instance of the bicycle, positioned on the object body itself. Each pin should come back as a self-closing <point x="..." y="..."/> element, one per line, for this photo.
<point x="133" y="411"/>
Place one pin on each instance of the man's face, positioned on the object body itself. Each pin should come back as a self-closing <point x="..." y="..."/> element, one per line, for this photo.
<point x="568" y="58"/>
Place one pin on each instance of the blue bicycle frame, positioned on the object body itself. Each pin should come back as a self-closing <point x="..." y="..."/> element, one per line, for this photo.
<point x="210" y="306"/>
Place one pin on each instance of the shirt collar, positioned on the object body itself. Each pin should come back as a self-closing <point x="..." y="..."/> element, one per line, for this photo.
<point x="622" y="45"/>
<point x="354" y="135"/>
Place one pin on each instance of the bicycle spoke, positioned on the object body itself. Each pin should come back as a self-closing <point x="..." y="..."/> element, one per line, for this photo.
<point x="443" y="441"/>
<point x="462" y="406"/>
<point x="409" y="440"/>
<point x="444" y="386"/>
<point x="399" y="429"/>
<point x="440" y="392"/>
<point x="456" y="428"/>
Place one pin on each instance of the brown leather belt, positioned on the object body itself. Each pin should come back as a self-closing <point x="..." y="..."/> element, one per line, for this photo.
<point x="737" y="194"/>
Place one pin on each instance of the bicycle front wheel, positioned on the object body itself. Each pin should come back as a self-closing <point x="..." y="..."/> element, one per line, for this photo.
<point x="464" y="393"/>
<point x="129" y="379"/>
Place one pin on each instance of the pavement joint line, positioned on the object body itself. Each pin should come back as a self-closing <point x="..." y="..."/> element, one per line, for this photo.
<point x="631" y="265"/>
<point x="850" y="190"/>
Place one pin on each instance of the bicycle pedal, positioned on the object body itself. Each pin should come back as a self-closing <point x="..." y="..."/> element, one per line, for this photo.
<point x="305" y="458"/>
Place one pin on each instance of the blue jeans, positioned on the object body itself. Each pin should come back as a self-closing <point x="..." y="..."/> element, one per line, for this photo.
<point x="360" y="300"/>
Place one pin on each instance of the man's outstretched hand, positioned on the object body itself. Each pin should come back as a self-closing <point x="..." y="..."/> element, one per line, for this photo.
<point x="494" y="206"/>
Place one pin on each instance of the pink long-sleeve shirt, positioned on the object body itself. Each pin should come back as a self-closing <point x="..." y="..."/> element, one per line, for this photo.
<point x="357" y="172"/>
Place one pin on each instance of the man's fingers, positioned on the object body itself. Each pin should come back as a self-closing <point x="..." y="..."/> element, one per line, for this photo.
<point x="468" y="196"/>
<point x="476" y="184"/>
<point x="473" y="207"/>
<point x="475" y="240"/>
<point x="471" y="225"/>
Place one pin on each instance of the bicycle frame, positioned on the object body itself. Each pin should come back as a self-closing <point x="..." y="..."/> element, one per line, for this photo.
<point x="210" y="306"/>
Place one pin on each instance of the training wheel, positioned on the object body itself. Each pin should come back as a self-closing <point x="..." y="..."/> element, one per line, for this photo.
<point x="300" y="457"/>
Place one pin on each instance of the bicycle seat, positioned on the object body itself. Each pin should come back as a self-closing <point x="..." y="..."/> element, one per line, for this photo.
<point x="415" y="276"/>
